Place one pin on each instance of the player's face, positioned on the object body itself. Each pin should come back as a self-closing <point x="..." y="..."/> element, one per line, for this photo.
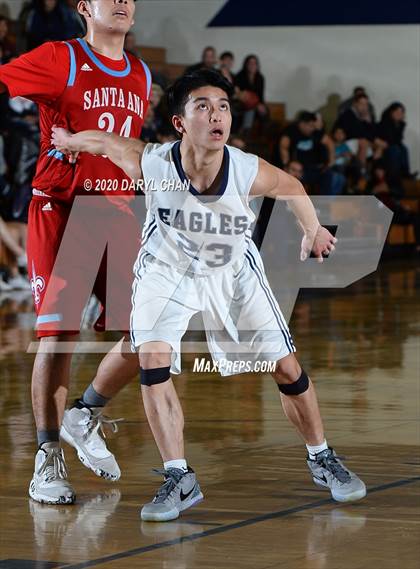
<point x="114" y="16"/>
<point x="207" y="118"/>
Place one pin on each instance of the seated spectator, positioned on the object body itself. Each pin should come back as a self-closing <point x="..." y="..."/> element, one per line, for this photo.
<point x="390" y="132"/>
<point x="130" y="44"/>
<point x="227" y="61"/>
<point x="342" y="152"/>
<point x="329" y="111"/>
<point x="302" y="141"/>
<point x="15" y="251"/>
<point x="156" y="117"/>
<point x="6" y="47"/>
<point x="357" y="122"/>
<point x="51" y="20"/>
<point x="251" y="84"/>
<point x="402" y="215"/>
<point x="149" y="130"/>
<point x="208" y="60"/>
<point x="347" y="103"/>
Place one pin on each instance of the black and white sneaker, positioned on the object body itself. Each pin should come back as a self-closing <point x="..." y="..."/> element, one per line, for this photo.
<point x="329" y="472"/>
<point x="179" y="492"/>
<point x="49" y="484"/>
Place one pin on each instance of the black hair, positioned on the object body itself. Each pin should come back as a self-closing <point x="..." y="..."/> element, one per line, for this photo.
<point x="306" y="116"/>
<point x="177" y="94"/>
<point x="227" y="54"/>
<point x="359" y="97"/>
<point x="358" y="88"/>
<point x="387" y="114"/>
<point x="337" y="127"/>
<point x="247" y="60"/>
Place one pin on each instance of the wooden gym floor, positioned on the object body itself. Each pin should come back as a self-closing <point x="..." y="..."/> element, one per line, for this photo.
<point x="261" y="510"/>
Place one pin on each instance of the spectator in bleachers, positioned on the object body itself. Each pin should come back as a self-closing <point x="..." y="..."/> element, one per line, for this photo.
<point x="251" y="84"/>
<point x="342" y="153"/>
<point x="390" y="131"/>
<point x="329" y="111"/>
<point x="157" y="115"/>
<point x="208" y="60"/>
<point x="15" y="250"/>
<point x="347" y="103"/>
<point x="6" y="46"/>
<point x="302" y="141"/>
<point x="51" y="20"/>
<point x="358" y="124"/>
<point x="227" y="61"/>
<point x="380" y="187"/>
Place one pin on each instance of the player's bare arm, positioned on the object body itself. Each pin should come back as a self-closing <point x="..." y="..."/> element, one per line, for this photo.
<point x="275" y="183"/>
<point x="284" y="146"/>
<point x="123" y="152"/>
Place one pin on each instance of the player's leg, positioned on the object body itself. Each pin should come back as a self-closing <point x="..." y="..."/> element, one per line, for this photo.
<point x="83" y="422"/>
<point x="302" y="410"/>
<point x="164" y="301"/>
<point x="50" y="375"/>
<point x="260" y="318"/>
<point x="166" y="420"/>
<point x="50" y="379"/>
<point x="300" y="405"/>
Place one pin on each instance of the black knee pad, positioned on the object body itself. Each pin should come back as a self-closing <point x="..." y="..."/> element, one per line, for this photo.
<point x="297" y="387"/>
<point x="154" y="376"/>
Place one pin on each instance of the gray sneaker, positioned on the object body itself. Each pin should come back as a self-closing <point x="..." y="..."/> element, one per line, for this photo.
<point x="329" y="472"/>
<point x="179" y="492"/>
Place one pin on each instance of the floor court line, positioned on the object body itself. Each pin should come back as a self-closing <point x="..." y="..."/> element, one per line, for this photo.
<point x="229" y="527"/>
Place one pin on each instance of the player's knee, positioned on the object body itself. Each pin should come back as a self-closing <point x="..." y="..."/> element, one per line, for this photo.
<point x="154" y="355"/>
<point x="291" y="379"/>
<point x="154" y="376"/>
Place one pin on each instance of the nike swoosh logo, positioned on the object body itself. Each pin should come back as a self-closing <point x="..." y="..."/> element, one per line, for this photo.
<point x="185" y="496"/>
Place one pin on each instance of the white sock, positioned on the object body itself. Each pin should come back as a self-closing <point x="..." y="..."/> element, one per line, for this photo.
<point x="180" y="463"/>
<point x="313" y="450"/>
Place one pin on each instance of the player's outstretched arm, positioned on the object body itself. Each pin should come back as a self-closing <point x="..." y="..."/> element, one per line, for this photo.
<point x="275" y="183"/>
<point x="125" y="153"/>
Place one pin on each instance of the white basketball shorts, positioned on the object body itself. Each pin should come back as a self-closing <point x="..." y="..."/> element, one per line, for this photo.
<point x="242" y="319"/>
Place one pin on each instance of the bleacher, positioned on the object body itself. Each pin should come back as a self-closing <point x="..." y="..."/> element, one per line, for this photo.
<point x="262" y="144"/>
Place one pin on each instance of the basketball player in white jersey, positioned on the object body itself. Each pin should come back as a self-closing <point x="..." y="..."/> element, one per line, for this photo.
<point x="197" y="256"/>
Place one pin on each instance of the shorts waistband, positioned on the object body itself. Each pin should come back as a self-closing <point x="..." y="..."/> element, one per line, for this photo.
<point x="39" y="193"/>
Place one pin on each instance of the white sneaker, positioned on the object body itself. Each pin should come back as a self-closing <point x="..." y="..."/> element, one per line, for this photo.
<point x="80" y="430"/>
<point x="19" y="283"/>
<point x="49" y="484"/>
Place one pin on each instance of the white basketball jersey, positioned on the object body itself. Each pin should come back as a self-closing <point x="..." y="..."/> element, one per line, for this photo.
<point x="192" y="232"/>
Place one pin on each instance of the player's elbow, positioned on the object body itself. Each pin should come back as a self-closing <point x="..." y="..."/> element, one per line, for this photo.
<point x="131" y="167"/>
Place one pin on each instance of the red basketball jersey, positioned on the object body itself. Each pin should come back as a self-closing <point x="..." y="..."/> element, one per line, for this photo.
<point x="79" y="89"/>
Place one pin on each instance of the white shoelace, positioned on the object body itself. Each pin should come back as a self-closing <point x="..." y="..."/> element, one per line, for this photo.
<point x="53" y="467"/>
<point x="98" y="421"/>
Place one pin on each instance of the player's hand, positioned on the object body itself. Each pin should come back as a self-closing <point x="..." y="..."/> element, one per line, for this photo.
<point x="61" y="139"/>
<point x="322" y="243"/>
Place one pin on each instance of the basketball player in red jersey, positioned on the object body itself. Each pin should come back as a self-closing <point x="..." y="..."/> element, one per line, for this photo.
<point x="79" y="84"/>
